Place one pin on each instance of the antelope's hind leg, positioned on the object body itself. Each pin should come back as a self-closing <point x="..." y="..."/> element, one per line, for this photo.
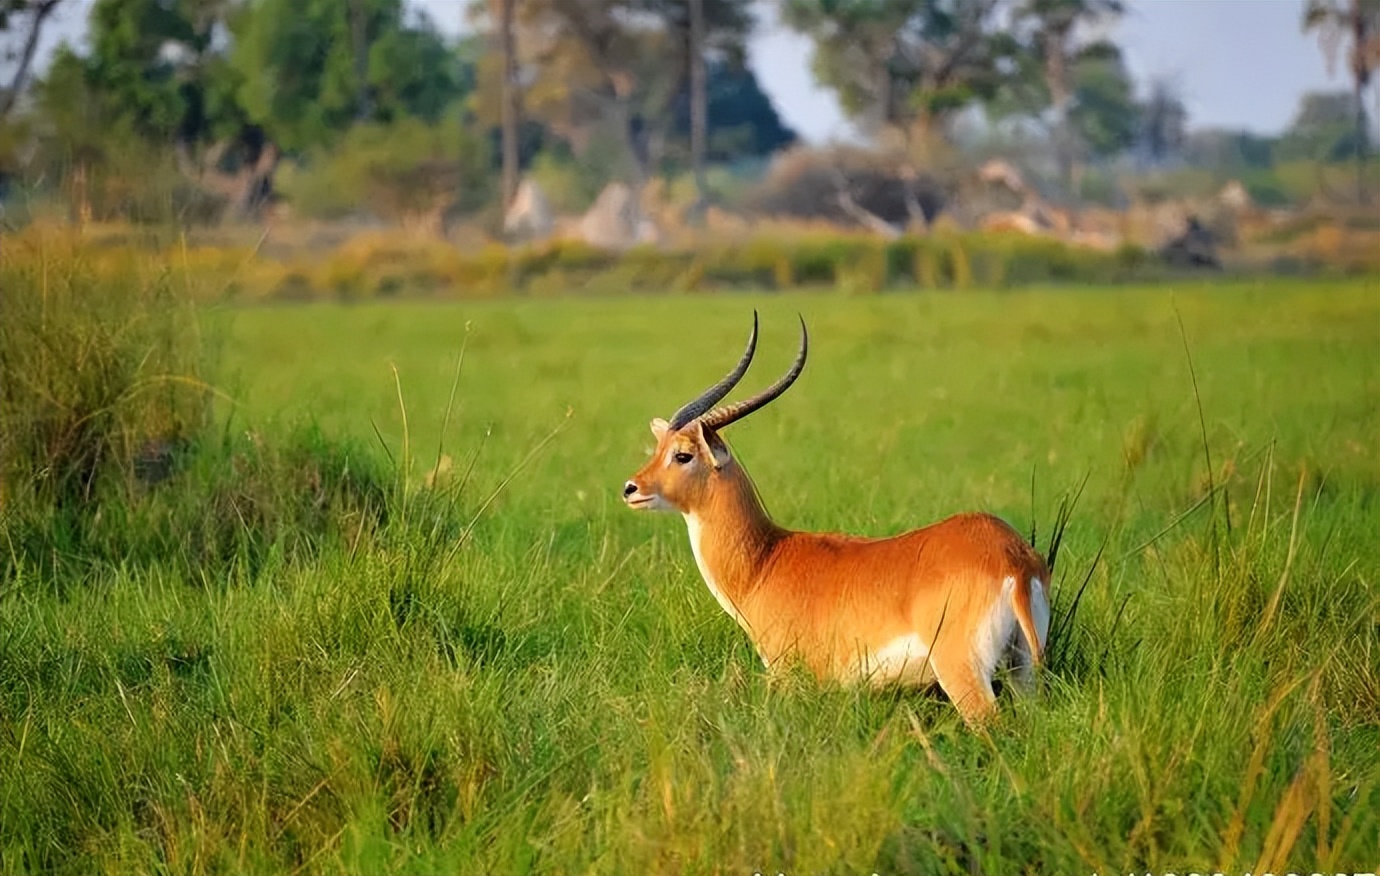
<point x="967" y="687"/>
<point x="1020" y="668"/>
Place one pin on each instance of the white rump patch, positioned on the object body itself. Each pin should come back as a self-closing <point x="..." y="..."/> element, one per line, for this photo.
<point x="992" y="638"/>
<point x="903" y="659"/>
<point x="693" y="524"/>
<point x="1039" y="611"/>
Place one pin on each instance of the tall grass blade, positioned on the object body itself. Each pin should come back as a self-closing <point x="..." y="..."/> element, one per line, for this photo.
<point x="1207" y="451"/>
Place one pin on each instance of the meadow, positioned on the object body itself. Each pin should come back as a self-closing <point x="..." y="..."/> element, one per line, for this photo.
<point x="489" y="665"/>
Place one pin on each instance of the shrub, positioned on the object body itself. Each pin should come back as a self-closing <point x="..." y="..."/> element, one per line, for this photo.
<point x="569" y="186"/>
<point x="962" y="268"/>
<point x="207" y="509"/>
<point x="110" y="455"/>
<point x="928" y="269"/>
<point x="900" y="255"/>
<point x="389" y="264"/>
<point x="862" y="270"/>
<point x="407" y="170"/>
<point x="811" y="262"/>
<point x="805" y="183"/>
<point x="755" y="262"/>
<point x="653" y="270"/>
<point x="251" y="497"/>
<point x="95" y="367"/>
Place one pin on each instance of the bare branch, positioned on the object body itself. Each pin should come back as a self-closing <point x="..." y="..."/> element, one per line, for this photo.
<point x="40" y="12"/>
<point x="861" y="214"/>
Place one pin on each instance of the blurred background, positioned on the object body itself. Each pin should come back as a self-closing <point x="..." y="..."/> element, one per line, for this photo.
<point x="1204" y="133"/>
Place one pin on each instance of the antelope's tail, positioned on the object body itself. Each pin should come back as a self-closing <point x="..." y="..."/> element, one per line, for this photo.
<point x="1021" y="604"/>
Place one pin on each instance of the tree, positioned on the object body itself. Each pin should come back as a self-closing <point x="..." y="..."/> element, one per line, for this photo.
<point x="611" y="67"/>
<point x="226" y="86"/>
<point x="1050" y="29"/>
<point x="699" y="105"/>
<point x="26" y="17"/>
<point x="146" y="87"/>
<point x="503" y="14"/>
<point x="151" y="61"/>
<point x="904" y="65"/>
<point x="300" y="75"/>
<point x="408" y="170"/>
<point x="1102" y="116"/>
<point x="1355" y="25"/>
<point x="154" y="81"/>
<point x="582" y="62"/>
<point x="1163" y="122"/>
<point x="740" y="120"/>
<point x="1229" y="152"/>
<point x="308" y="70"/>
<point x="1324" y="129"/>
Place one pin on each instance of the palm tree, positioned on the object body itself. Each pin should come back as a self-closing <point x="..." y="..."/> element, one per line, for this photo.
<point x="1355" y="25"/>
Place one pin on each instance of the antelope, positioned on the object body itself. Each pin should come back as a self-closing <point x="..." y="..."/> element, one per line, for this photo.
<point x="943" y="603"/>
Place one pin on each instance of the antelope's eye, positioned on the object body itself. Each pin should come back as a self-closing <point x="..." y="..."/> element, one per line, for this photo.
<point x="683" y="458"/>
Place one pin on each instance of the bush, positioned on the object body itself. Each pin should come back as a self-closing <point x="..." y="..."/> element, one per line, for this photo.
<point x="406" y="170"/>
<point x="390" y="264"/>
<point x="804" y="183"/>
<point x="109" y="455"/>
<point x="812" y="262"/>
<point x="569" y="186"/>
<point x="100" y="171"/>
<point x="373" y="264"/>
<point x="208" y="510"/>
<point x="95" y="368"/>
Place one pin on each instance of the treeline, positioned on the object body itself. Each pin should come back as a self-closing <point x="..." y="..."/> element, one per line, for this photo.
<point x="199" y="110"/>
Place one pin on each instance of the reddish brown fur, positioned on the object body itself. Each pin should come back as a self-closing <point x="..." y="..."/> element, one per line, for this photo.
<point x="826" y="599"/>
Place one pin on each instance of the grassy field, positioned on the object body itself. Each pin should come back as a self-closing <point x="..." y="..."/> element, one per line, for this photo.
<point x="552" y="689"/>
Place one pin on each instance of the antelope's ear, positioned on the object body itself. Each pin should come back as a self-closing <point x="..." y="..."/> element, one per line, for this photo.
<point x="660" y="427"/>
<point x="712" y="446"/>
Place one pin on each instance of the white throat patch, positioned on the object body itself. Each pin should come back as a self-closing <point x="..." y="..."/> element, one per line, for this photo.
<point x="692" y="523"/>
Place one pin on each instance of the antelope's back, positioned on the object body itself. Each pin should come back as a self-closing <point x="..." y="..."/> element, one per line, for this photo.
<point x="822" y="590"/>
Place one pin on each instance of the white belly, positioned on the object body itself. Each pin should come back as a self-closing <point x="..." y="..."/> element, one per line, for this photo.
<point x="903" y="660"/>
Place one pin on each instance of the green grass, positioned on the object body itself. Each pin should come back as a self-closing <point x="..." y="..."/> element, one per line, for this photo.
<point x="554" y="690"/>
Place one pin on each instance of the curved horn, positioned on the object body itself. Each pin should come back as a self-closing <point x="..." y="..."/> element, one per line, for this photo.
<point x="720" y="417"/>
<point x="713" y="394"/>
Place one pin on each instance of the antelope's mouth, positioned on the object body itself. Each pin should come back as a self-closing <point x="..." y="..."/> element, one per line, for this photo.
<point x="639" y="502"/>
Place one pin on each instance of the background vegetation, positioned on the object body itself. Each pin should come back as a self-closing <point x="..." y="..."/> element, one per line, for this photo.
<point x="197" y="111"/>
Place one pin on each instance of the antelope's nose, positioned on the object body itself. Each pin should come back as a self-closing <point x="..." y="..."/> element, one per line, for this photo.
<point x="628" y="489"/>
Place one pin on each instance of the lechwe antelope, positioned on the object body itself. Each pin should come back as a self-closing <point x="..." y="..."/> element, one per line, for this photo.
<point x="947" y="603"/>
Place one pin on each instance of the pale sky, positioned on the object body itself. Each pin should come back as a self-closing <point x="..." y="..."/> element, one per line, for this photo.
<point x="1238" y="63"/>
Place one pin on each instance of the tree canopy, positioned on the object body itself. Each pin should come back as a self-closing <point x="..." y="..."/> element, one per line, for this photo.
<point x="1324" y="129"/>
<point x="222" y="91"/>
<point x="905" y="64"/>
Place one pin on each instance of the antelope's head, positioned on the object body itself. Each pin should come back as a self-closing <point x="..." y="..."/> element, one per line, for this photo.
<point x="690" y="456"/>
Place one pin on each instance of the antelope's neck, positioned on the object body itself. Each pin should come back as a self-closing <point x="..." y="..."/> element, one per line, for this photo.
<point x="732" y="538"/>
